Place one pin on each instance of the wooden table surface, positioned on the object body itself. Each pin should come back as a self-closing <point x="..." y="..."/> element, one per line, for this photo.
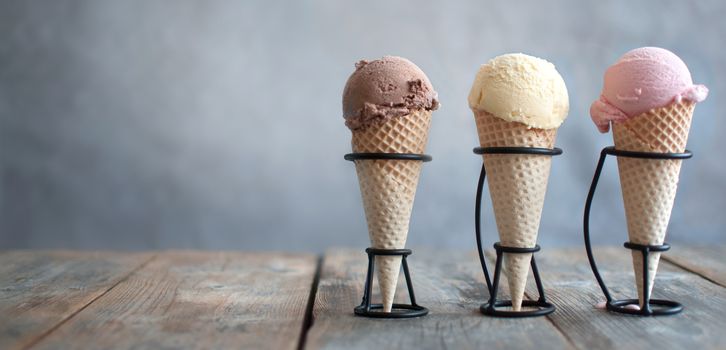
<point x="194" y="299"/>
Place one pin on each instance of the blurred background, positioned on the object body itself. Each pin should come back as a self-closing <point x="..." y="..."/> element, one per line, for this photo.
<point x="218" y="124"/>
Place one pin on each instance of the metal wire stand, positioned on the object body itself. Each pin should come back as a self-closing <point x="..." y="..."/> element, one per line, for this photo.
<point x="366" y="309"/>
<point x="652" y="307"/>
<point x="541" y="305"/>
<point x="399" y="310"/>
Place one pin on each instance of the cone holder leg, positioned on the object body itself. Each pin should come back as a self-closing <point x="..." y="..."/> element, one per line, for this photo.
<point x="541" y="305"/>
<point x="652" y="307"/>
<point x="366" y="308"/>
<point x="399" y="310"/>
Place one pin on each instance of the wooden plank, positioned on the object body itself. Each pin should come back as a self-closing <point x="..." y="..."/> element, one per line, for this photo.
<point x="707" y="261"/>
<point x="450" y="284"/>
<point x="41" y="290"/>
<point x="569" y="284"/>
<point x="199" y="300"/>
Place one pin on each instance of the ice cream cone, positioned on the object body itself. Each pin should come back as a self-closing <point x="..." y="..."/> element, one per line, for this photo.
<point x="649" y="186"/>
<point x="387" y="105"/>
<point x="517" y="184"/>
<point x="388" y="188"/>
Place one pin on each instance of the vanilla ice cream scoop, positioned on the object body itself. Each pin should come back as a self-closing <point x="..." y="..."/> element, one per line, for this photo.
<point x="521" y="88"/>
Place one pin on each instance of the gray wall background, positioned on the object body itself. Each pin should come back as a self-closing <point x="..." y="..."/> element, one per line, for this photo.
<point x="217" y="124"/>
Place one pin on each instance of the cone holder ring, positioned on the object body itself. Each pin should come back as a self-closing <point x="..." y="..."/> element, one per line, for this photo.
<point x="366" y="309"/>
<point x="543" y="307"/>
<point x="400" y="310"/>
<point x="387" y="156"/>
<point x="663" y="307"/>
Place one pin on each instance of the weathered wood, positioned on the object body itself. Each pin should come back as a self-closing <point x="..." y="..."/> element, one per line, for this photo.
<point x="707" y="261"/>
<point x="198" y="300"/>
<point x="41" y="290"/>
<point x="256" y="300"/>
<point x="572" y="287"/>
<point x="450" y="284"/>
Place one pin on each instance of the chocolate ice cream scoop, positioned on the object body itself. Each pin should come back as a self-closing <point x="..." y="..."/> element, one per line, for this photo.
<point x="383" y="89"/>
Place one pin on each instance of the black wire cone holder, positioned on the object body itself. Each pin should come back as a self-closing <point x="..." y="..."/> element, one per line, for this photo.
<point x="651" y="307"/>
<point x="366" y="308"/>
<point x="541" y="305"/>
<point x="399" y="310"/>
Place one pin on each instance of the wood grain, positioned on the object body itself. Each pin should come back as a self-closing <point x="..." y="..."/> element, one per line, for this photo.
<point x="707" y="261"/>
<point x="195" y="299"/>
<point x="191" y="299"/>
<point x="572" y="287"/>
<point x="41" y="290"/>
<point x="450" y="284"/>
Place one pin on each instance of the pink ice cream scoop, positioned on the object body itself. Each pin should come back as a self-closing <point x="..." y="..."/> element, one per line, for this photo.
<point x="643" y="79"/>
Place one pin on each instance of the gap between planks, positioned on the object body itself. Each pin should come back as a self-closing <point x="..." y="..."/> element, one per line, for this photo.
<point x="309" y="317"/>
<point x="48" y="332"/>
<point x="677" y="263"/>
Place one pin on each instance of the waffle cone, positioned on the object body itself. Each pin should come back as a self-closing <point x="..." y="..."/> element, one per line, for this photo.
<point x="649" y="186"/>
<point x="388" y="188"/>
<point x="517" y="185"/>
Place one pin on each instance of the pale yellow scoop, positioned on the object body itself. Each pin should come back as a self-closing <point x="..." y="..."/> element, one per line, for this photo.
<point x="521" y="88"/>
